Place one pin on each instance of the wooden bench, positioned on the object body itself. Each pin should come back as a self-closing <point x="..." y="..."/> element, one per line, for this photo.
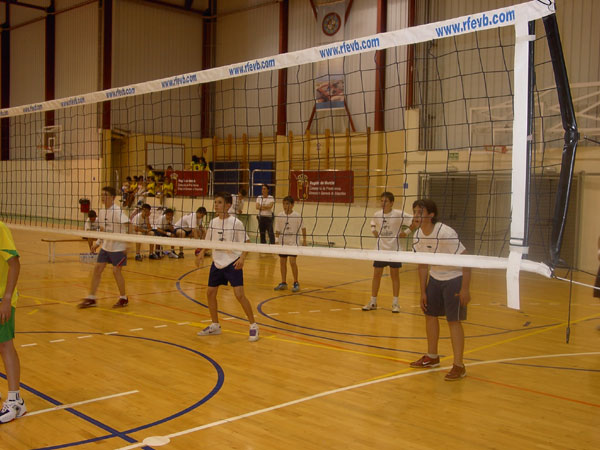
<point x="52" y="246"/>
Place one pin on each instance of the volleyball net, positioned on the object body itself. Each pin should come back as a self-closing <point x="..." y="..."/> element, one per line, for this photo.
<point x="474" y="113"/>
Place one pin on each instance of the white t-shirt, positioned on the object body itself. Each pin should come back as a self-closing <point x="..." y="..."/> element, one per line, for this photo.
<point x="226" y="230"/>
<point x="288" y="227"/>
<point x="113" y="220"/>
<point x="388" y="227"/>
<point x="164" y="224"/>
<point x="237" y="204"/>
<point x="91" y="226"/>
<point x="140" y="221"/>
<point x="189" y="222"/>
<point x="442" y="239"/>
<point x="265" y="201"/>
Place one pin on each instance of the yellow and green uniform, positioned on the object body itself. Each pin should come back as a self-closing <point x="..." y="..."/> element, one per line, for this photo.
<point x="7" y="251"/>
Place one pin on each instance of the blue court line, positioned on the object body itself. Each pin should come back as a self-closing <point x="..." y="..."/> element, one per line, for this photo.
<point x="113" y="432"/>
<point x="259" y="308"/>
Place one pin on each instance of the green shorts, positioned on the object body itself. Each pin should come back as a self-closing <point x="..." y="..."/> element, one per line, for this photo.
<point x="7" y="330"/>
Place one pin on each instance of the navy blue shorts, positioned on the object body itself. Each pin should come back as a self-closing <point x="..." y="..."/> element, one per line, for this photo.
<point x="285" y="256"/>
<point x="187" y="232"/>
<point x="117" y="259"/>
<point x="443" y="299"/>
<point x="393" y="265"/>
<point x="218" y="277"/>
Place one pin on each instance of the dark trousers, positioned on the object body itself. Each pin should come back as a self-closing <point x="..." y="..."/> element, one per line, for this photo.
<point x="265" y="224"/>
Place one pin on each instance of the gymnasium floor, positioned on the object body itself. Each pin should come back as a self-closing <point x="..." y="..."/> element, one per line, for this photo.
<point x="324" y="375"/>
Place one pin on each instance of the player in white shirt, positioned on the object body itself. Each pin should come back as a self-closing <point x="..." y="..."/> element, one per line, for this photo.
<point x="265" y="204"/>
<point x="237" y="202"/>
<point x="288" y="226"/>
<point x="388" y="226"/>
<point x="164" y="227"/>
<point x="191" y="225"/>
<point x="227" y="266"/>
<point x="111" y="220"/>
<point x="141" y="225"/>
<point x="447" y="290"/>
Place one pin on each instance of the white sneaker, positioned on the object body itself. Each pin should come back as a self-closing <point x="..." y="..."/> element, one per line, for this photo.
<point x="253" y="335"/>
<point x="395" y="308"/>
<point x="369" y="306"/>
<point x="173" y="255"/>
<point x="12" y="409"/>
<point x="212" y="329"/>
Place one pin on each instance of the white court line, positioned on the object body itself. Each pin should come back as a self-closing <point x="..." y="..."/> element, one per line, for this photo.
<point x="57" y="340"/>
<point x="348" y="388"/>
<point x="28" y="345"/>
<point x="160" y="326"/>
<point x="71" y="405"/>
<point x="84" y="337"/>
<point x="136" y="329"/>
<point x="207" y="320"/>
<point x="183" y="323"/>
<point x="315" y="310"/>
<point x="111" y="332"/>
<point x="352" y="309"/>
<point x="228" y="318"/>
<point x="273" y="314"/>
<point x="293" y="312"/>
<point x="335" y="309"/>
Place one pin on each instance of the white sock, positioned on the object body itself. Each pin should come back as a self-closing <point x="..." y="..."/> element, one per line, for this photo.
<point x="432" y="355"/>
<point x="14" y="396"/>
<point x="124" y="297"/>
<point x="395" y="300"/>
<point x="373" y="299"/>
<point x="254" y="325"/>
<point x="91" y="297"/>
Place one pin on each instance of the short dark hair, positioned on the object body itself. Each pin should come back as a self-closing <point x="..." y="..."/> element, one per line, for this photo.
<point x="92" y="213"/>
<point x="201" y="210"/>
<point x="265" y="185"/>
<point x="226" y="196"/>
<point x="429" y="205"/>
<point x="289" y="199"/>
<point x="169" y="211"/>
<point x="243" y="191"/>
<point x="111" y="190"/>
<point x="387" y="195"/>
<point x="147" y="206"/>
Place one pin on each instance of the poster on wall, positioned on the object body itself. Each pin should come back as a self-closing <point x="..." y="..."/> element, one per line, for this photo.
<point x="335" y="186"/>
<point x="189" y="183"/>
<point x="329" y="92"/>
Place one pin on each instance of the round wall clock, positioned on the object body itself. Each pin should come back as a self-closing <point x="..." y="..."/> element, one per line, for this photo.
<point x="331" y="23"/>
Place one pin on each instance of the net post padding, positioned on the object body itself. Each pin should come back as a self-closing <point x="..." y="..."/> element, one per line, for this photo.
<point x="571" y="138"/>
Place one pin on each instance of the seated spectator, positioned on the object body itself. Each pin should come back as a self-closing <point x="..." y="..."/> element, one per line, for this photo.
<point x="164" y="227"/>
<point x="141" y="225"/>
<point x="199" y="163"/>
<point x="167" y="188"/>
<point x="237" y="205"/>
<point x="151" y="187"/>
<point x="191" y="225"/>
<point x="91" y="224"/>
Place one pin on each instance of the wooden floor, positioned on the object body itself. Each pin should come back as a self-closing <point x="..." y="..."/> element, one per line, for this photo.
<point x="324" y="375"/>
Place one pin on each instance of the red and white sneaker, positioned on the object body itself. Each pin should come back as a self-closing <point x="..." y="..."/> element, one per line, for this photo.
<point x="456" y="373"/>
<point x="87" y="303"/>
<point x="425" y="362"/>
<point x="121" y="303"/>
